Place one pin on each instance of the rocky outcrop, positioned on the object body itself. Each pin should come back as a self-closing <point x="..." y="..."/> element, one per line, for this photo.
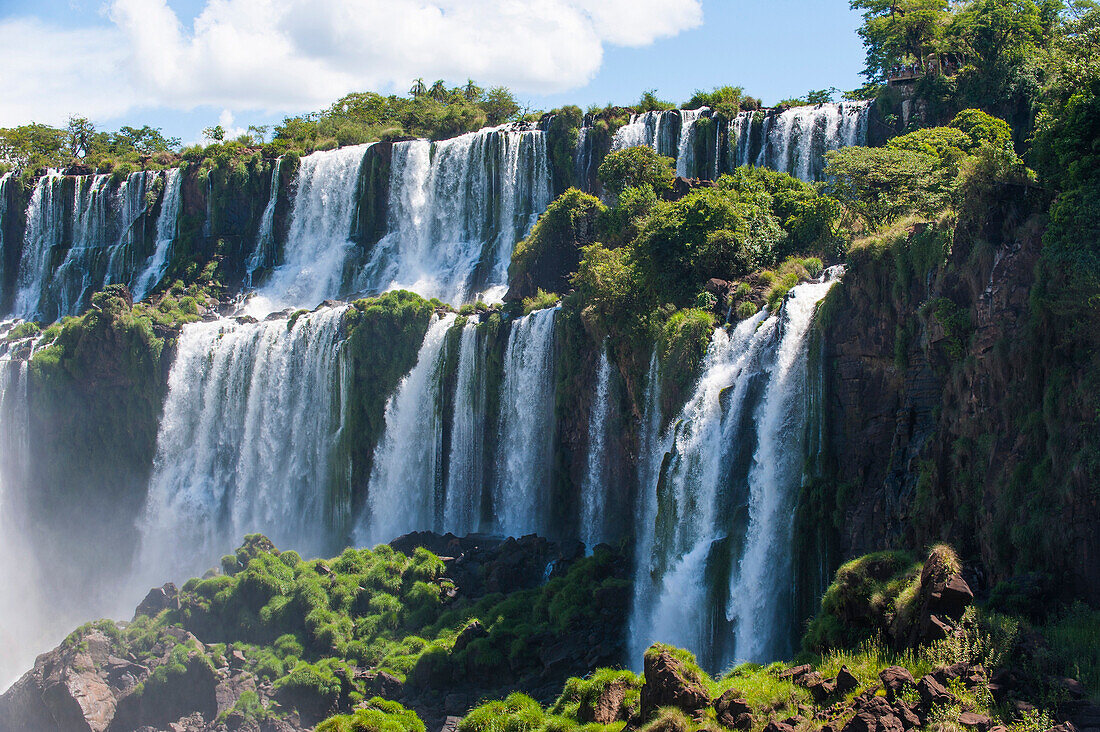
<point x="932" y="363"/>
<point x="669" y="682"/>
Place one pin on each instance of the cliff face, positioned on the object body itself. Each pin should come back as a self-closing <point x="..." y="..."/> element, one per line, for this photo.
<point x="941" y="402"/>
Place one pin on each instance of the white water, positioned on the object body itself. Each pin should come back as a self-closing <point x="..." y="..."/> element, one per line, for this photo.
<point x="318" y="254"/>
<point x="795" y="141"/>
<point x="263" y="252"/>
<point x="167" y="228"/>
<point x="685" y="153"/>
<point x="760" y="593"/>
<point x="653" y="129"/>
<point x="526" y="434"/>
<point x="406" y="476"/>
<point x="4" y="179"/>
<point x="456" y="210"/>
<point x="594" y="491"/>
<point x="245" y="443"/>
<point x="466" y="461"/>
<point x="716" y="536"/>
<point x="26" y="628"/>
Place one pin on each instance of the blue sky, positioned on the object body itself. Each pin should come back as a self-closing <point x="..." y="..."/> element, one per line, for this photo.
<point x="148" y="62"/>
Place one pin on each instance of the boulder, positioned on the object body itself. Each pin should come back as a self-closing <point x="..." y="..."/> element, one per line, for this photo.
<point x="778" y="726"/>
<point x="874" y="715"/>
<point x="733" y="711"/>
<point x="794" y="673"/>
<point x="979" y="721"/>
<point x="669" y="683"/>
<point x="846" y="681"/>
<point x="932" y="693"/>
<point x="469" y="634"/>
<point x="894" y="679"/>
<point x="158" y="600"/>
<point x="607" y="707"/>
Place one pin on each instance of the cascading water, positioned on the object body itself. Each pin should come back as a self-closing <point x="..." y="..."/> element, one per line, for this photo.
<point x="649" y="129"/>
<point x="25" y="629"/>
<point x="594" y="490"/>
<point x="263" y="254"/>
<point x="660" y="131"/>
<point x="466" y="461"/>
<point x="526" y="435"/>
<point x="245" y="443"/>
<point x="405" y="492"/>
<point x="319" y="253"/>
<point x="795" y="141"/>
<point x="685" y="153"/>
<point x="456" y="209"/>
<point x="716" y="515"/>
<point x="100" y="227"/>
<point x="167" y="228"/>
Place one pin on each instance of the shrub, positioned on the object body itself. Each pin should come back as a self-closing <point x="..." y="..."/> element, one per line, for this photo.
<point x="634" y="167"/>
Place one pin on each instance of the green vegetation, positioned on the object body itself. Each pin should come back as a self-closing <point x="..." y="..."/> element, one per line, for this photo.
<point x="378" y="716"/>
<point x="434" y="112"/>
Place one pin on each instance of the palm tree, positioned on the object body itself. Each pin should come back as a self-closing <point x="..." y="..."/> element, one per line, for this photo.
<point x="419" y="88"/>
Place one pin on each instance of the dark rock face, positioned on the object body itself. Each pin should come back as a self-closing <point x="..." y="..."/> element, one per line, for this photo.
<point x="158" y="600"/>
<point x="923" y="412"/>
<point x="668" y="683"/>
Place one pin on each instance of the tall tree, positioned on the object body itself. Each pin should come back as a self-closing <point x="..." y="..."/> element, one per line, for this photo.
<point x="898" y="32"/>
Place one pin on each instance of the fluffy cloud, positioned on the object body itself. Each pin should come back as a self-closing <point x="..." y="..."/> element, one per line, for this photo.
<point x="293" y="55"/>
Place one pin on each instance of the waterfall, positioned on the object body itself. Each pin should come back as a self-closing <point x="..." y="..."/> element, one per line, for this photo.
<point x="659" y="131"/>
<point x="685" y="153"/>
<point x="717" y="514"/>
<point x="318" y="251"/>
<point x="456" y="209"/>
<point x="43" y="233"/>
<point x="594" y="491"/>
<point x="760" y="594"/>
<point x="649" y="129"/>
<point x="795" y="140"/>
<point x="466" y="461"/>
<point x="526" y="432"/>
<point x="245" y="442"/>
<point x="405" y="480"/>
<point x="97" y="228"/>
<point x="167" y="228"/>
<point x="263" y="253"/>
<point x="25" y="629"/>
<point x="583" y="159"/>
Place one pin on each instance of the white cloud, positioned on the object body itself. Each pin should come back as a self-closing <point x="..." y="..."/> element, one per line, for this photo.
<point x="294" y="55"/>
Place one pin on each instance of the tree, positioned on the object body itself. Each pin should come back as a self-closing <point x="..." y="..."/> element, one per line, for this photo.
<point x="472" y="92"/>
<point x="883" y="184"/>
<point x="259" y="132"/>
<point x="438" y="92"/>
<point x="499" y="105"/>
<point x="897" y="32"/>
<point x="993" y="33"/>
<point x="32" y="146"/>
<point x="80" y="133"/>
<point x="214" y="134"/>
<point x="419" y="88"/>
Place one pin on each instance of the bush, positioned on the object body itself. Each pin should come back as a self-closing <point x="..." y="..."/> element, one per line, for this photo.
<point x="636" y="167"/>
